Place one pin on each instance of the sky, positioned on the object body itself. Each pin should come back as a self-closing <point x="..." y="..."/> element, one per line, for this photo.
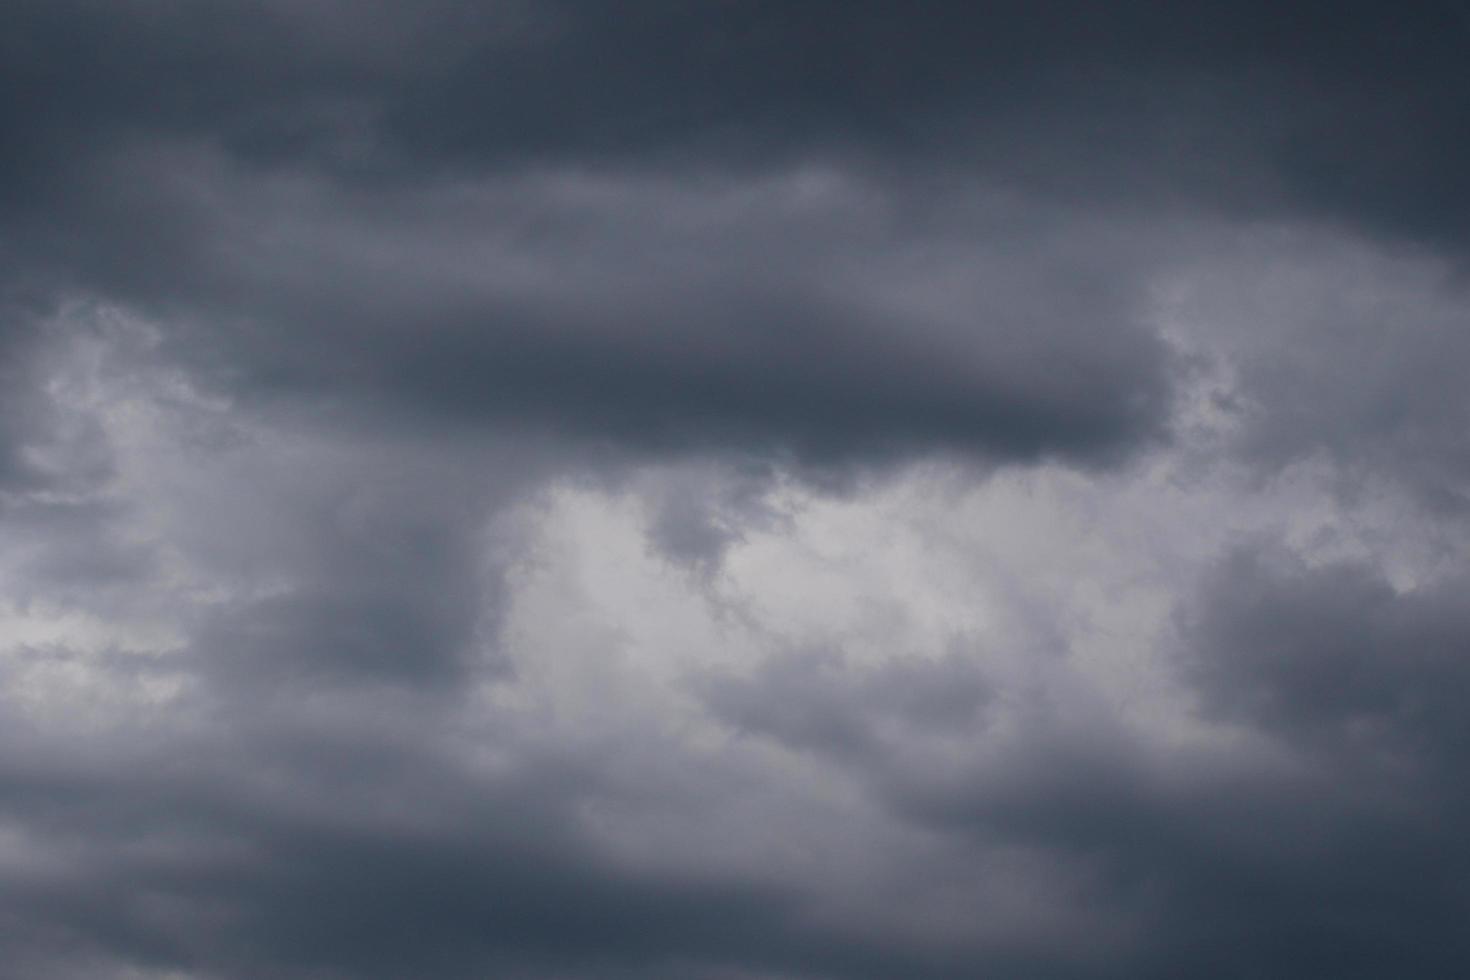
<point x="734" y="489"/>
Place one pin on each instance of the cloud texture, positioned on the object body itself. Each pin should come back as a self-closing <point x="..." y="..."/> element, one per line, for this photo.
<point x="733" y="490"/>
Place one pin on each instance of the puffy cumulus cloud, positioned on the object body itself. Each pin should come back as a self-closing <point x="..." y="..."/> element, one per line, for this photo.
<point x="560" y="490"/>
<point x="1093" y="736"/>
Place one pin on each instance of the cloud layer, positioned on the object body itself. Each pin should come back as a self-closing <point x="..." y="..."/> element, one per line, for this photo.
<point x="562" y="490"/>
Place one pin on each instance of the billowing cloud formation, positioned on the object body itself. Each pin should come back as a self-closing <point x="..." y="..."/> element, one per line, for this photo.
<point x="562" y="490"/>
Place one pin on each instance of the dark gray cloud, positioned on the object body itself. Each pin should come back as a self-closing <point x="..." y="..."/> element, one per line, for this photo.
<point x="654" y="315"/>
<point x="373" y="377"/>
<point x="118" y="113"/>
<point x="1334" y="652"/>
<point x="1342" y="109"/>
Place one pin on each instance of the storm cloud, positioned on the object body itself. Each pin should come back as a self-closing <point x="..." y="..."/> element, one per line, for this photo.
<point x="733" y="490"/>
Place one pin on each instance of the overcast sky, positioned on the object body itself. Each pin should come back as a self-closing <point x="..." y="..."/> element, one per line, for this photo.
<point x="734" y="489"/>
